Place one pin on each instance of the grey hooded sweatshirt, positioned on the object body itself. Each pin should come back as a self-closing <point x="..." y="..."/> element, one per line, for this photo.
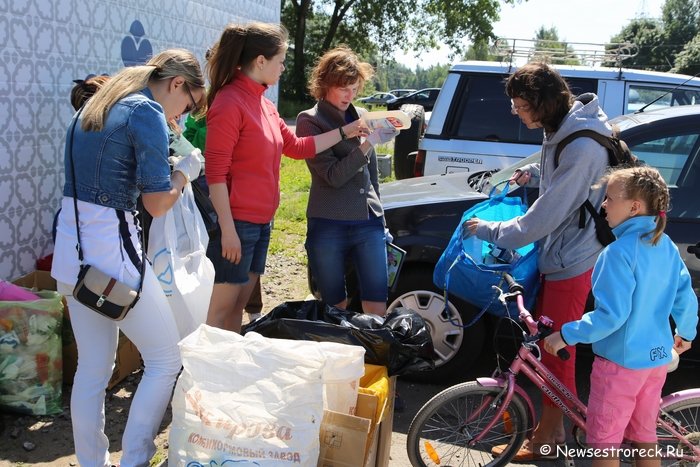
<point x="565" y="250"/>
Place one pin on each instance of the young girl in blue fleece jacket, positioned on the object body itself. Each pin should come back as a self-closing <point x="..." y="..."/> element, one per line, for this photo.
<point x="638" y="281"/>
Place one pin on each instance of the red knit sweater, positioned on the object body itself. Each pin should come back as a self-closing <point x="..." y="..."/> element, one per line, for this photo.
<point x="245" y="141"/>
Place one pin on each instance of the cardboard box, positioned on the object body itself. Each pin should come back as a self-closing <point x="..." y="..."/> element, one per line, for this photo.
<point x="38" y="280"/>
<point x="128" y="358"/>
<point x="360" y="440"/>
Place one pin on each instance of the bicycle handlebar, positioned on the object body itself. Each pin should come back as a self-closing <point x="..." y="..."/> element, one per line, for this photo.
<point x="513" y="287"/>
<point x="543" y="326"/>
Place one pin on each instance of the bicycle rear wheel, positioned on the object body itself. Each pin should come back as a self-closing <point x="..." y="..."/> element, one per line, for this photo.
<point x="442" y="429"/>
<point x="685" y="417"/>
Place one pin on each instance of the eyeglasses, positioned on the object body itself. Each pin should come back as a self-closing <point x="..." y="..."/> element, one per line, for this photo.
<point x="514" y="109"/>
<point x="191" y="108"/>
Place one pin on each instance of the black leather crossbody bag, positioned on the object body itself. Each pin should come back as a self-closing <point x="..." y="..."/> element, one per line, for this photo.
<point x="95" y="289"/>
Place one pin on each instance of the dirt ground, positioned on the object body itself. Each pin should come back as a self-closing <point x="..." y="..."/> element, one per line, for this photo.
<point x="48" y="441"/>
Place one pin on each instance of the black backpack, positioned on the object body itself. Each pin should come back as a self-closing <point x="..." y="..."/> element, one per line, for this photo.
<point x="618" y="155"/>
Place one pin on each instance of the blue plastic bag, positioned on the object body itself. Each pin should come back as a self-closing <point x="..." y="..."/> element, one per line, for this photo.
<point x="472" y="278"/>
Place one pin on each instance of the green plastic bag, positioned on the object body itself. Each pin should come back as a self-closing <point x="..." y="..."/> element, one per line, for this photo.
<point x="31" y="365"/>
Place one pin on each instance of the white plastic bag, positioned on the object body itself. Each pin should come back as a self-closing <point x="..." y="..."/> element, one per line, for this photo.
<point x="177" y="246"/>
<point x="345" y="365"/>
<point x="248" y="399"/>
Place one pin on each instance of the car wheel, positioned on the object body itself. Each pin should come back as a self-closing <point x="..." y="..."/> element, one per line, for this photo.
<point x="406" y="141"/>
<point x="456" y="348"/>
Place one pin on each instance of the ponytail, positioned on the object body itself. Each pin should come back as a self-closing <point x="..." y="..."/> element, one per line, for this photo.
<point x="225" y="57"/>
<point x="237" y="49"/>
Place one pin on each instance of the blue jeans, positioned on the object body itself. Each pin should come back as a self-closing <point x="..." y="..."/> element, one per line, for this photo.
<point x="329" y="243"/>
<point x="255" y="239"/>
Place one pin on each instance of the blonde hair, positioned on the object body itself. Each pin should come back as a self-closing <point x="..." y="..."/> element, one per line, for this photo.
<point x="644" y="183"/>
<point x="238" y="47"/>
<point x="337" y="68"/>
<point x="165" y="65"/>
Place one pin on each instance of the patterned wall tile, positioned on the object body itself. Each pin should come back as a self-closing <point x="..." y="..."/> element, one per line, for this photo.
<point x="44" y="45"/>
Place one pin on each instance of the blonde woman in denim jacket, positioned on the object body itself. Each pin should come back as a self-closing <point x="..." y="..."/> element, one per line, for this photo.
<point x="120" y="151"/>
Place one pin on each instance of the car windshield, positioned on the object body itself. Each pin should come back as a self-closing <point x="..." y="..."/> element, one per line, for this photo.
<point x="487" y="180"/>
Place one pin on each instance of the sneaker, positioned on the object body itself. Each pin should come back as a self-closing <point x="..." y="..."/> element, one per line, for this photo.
<point x="253" y="316"/>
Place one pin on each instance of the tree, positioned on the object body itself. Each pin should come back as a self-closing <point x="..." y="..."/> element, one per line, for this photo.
<point x="647" y="35"/>
<point x="387" y="24"/>
<point x="688" y="60"/>
<point x="549" y="48"/>
<point x="681" y="20"/>
<point x="482" y="50"/>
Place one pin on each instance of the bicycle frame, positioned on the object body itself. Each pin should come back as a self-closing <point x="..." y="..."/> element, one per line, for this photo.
<point x="674" y="429"/>
<point x="527" y="363"/>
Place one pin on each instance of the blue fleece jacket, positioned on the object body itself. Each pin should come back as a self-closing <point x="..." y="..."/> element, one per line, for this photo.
<point x="636" y="287"/>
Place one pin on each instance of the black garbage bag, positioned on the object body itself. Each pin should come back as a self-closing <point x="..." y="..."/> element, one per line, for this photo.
<point x="401" y="341"/>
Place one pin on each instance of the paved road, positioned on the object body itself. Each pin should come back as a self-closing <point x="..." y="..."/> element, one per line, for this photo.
<point x="416" y="394"/>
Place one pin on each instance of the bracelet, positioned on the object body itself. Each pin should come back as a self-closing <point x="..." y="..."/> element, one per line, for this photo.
<point x="343" y="136"/>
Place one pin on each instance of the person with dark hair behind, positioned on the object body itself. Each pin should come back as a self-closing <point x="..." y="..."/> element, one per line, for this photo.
<point x="85" y="88"/>
<point x="246" y="139"/>
<point x="567" y="251"/>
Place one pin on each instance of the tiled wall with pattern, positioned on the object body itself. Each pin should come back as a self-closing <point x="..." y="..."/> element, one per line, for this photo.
<point x="44" y="46"/>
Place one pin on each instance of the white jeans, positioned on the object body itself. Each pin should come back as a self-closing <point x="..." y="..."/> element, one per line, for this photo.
<point x="151" y="327"/>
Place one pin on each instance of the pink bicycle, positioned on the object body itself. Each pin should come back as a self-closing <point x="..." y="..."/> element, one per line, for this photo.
<point x="460" y="425"/>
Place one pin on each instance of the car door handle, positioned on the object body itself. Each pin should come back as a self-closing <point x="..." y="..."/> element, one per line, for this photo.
<point x="694" y="250"/>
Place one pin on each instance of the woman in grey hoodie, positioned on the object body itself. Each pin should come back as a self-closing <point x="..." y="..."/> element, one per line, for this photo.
<point x="567" y="252"/>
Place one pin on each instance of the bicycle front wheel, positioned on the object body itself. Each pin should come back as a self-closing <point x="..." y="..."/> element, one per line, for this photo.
<point x="685" y="417"/>
<point x="441" y="432"/>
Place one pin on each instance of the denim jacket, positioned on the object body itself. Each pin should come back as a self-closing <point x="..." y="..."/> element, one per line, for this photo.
<point x="128" y="157"/>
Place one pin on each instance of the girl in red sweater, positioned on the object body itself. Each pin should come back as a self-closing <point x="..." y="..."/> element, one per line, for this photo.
<point x="245" y="141"/>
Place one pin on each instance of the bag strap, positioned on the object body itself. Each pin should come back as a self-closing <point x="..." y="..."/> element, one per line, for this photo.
<point x="142" y="269"/>
<point x="586" y="206"/>
<point x="504" y="192"/>
<point x="462" y="256"/>
<point x="598" y="138"/>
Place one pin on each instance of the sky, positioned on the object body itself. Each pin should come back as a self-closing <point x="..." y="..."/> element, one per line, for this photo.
<point x="589" y="21"/>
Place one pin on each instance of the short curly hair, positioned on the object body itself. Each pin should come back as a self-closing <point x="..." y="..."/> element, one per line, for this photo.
<point x="337" y="68"/>
<point x="544" y="89"/>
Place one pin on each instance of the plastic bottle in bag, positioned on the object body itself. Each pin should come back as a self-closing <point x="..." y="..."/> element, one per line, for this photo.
<point x="473" y="247"/>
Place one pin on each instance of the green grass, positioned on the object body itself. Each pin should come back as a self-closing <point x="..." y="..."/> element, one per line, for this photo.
<point x="158" y="458"/>
<point x="289" y="231"/>
<point x="290" y="221"/>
